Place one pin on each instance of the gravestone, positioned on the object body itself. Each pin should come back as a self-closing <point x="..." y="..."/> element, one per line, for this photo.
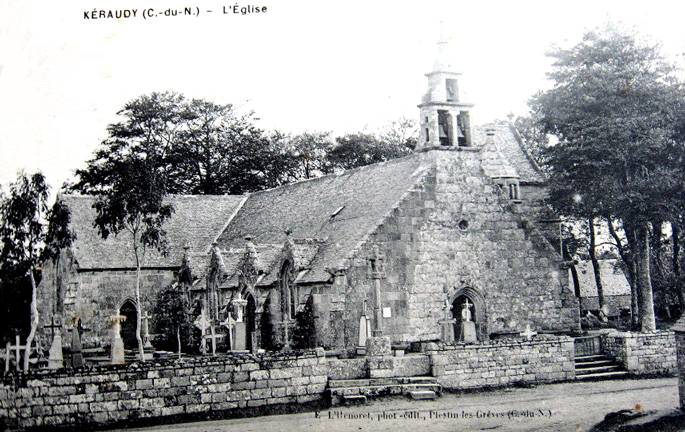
<point x="117" y="355"/>
<point x="239" y="338"/>
<point x="76" y="347"/>
<point x="468" y="327"/>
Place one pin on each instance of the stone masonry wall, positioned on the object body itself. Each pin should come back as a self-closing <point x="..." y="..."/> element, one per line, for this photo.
<point x="643" y="353"/>
<point x="94" y="296"/>
<point x="429" y="258"/>
<point x="501" y="364"/>
<point x="187" y="387"/>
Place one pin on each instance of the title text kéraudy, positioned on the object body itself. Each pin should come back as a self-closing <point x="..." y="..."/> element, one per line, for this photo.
<point x="236" y="9"/>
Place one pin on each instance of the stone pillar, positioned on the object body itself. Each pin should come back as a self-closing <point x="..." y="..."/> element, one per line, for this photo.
<point x="117" y="355"/>
<point x="679" y="329"/>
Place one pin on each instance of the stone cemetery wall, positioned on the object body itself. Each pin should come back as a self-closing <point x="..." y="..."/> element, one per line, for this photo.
<point x="501" y="364"/>
<point x="643" y="353"/>
<point x="188" y="387"/>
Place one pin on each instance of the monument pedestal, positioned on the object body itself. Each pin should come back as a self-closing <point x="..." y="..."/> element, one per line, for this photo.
<point x="468" y="332"/>
<point x="56" y="358"/>
<point x="378" y="346"/>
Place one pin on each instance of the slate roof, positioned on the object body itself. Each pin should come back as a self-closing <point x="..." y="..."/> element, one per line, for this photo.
<point x="614" y="280"/>
<point x="196" y="222"/>
<point x="507" y="143"/>
<point x="343" y="209"/>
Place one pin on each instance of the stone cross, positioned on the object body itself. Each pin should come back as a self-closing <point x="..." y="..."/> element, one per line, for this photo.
<point x="213" y="337"/>
<point x="203" y="323"/>
<point x="56" y="357"/>
<point x="117" y="355"/>
<point x="145" y="317"/>
<point x="465" y="312"/>
<point x="448" y="323"/>
<point x="528" y="334"/>
<point x="17" y="348"/>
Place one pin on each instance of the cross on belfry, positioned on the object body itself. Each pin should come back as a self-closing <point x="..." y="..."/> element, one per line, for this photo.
<point x="528" y="334"/>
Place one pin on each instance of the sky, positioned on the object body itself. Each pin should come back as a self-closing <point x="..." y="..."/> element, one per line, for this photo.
<point x="340" y="66"/>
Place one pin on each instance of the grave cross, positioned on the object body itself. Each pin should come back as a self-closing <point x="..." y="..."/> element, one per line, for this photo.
<point x="56" y="323"/>
<point x="212" y="336"/>
<point x="528" y="334"/>
<point x="17" y="348"/>
<point x="202" y="323"/>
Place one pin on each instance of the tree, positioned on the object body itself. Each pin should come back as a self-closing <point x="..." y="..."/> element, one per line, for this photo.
<point x="200" y="147"/>
<point x="134" y="204"/>
<point x="171" y="318"/>
<point x="25" y="239"/>
<point x="401" y="133"/>
<point x="149" y="130"/>
<point x="309" y="151"/>
<point x="360" y="149"/>
<point x="615" y="108"/>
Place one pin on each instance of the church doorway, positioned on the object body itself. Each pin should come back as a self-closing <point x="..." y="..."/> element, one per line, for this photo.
<point x="250" y="318"/>
<point x="466" y="319"/>
<point x="128" y="327"/>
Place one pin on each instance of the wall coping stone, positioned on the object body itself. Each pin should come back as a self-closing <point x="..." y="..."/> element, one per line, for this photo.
<point x="186" y="362"/>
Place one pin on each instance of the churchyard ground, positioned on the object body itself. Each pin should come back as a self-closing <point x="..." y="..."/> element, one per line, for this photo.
<point x="574" y="406"/>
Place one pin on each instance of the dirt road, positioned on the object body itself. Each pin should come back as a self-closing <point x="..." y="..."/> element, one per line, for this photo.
<point x="557" y="407"/>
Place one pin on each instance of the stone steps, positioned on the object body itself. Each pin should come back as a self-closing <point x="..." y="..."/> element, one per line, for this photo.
<point x="359" y="390"/>
<point x="598" y="367"/>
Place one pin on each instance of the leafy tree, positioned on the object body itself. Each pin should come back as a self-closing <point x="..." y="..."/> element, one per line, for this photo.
<point x="309" y="151"/>
<point x="304" y="334"/>
<point x="134" y="204"/>
<point x="400" y="133"/>
<point x="360" y="149"/>
<point x="614" y="108"/>
<point x="58" y="237"/>
<point x="199" y="146"/>
<point x="149" y="130"/>
<point x="24" y="240"/>
<point x="171" y="319"/>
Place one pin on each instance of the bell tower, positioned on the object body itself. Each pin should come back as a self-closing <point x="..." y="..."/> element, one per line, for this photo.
<point x="445" y="115"/>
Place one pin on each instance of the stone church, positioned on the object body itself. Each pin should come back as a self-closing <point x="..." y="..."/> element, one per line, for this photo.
<point x="399" y="249"/>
